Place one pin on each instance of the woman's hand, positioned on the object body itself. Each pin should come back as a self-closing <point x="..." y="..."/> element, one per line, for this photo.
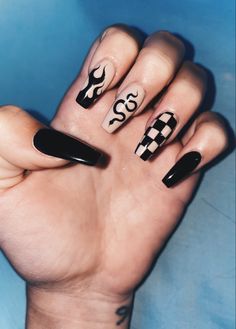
<point x="84" y="237"/>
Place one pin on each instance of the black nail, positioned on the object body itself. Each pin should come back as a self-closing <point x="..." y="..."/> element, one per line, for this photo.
<point x="93" y="85"/>
<point x="60" y="145"/>
<point x="182" y="168"/>
<point x="156" y="135"/>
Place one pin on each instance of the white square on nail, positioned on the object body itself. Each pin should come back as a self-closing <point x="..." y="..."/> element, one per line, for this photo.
<point x="165" y="117"/>
<point x="153" y="146"/>
<point x="153" y="133"/>
<point x="140" y="150"/>
<point x="166" y="131"/>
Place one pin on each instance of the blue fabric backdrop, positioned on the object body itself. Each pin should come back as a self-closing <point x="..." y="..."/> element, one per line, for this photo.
<point x="42" y="45"/>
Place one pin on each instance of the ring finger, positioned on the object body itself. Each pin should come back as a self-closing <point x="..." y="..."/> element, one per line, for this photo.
<point x="181" y="100"/>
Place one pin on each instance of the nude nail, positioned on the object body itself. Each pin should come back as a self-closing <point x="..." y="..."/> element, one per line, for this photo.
<point x="126" y="103"/>
<point x="97" y="82"/>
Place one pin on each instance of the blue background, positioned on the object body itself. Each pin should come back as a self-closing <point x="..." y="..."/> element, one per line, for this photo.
<point x="42" y="45"/>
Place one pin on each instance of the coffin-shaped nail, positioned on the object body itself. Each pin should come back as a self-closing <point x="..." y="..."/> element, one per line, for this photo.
<point x="97" y="82"/>
<point x="126" y="103"/>
<point x="60" y="145"/>
<point x="182" y="168"/>
<point x="156" y="135"/>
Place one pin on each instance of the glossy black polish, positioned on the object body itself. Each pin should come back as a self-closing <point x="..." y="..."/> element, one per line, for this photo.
<point x="93" y="85"/>
<point x="60" y="145"/>
<point x="182" y="168"/>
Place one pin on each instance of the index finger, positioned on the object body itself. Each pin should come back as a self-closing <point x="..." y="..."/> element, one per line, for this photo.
<point x="112" y="58"/>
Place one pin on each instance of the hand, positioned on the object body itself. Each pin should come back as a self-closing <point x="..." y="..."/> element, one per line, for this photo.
<point x="84" y="237"/>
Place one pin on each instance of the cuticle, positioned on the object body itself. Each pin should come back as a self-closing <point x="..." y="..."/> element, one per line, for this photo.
<point x="137" y="84"/>
<point x="190" y="151"/>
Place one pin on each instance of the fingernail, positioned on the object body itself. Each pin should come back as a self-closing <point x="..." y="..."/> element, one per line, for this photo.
<point x="127" y="102"/>
<point x="156" y="135"/>
<point x="60" y="145"/>
<point x="182" y="168"/>
<point x="98" y="80"/>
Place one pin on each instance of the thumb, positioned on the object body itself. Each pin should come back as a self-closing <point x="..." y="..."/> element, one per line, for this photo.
<point x="26" y="144"/>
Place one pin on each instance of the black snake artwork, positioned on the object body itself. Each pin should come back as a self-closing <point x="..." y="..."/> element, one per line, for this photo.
<point x="126" y="102"/>
<point x="82" y="97"/>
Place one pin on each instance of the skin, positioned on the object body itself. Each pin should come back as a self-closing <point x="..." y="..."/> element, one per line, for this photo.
<point x="84" y="237"/>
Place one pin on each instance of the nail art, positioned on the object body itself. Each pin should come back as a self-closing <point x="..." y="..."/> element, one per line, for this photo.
<point x="156" y="135"/>
<point x="60" y="145"/>
<point x="98" y="80"/>
<point x="182" y="168"/>
<point x="127" y="102"/>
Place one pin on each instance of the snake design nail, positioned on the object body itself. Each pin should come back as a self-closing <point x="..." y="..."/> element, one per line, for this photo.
<point x="130" y="105"/>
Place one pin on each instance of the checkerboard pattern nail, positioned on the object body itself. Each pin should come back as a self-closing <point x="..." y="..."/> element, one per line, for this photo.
<point x="156" y="135"/>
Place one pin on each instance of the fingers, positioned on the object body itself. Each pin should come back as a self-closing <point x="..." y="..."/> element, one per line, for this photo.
<point x="108" y="61"/>
<point x="25" y="143"/>
<point x="204" y="141"/>
<point x="154" y="68"/>
<point x="180" y="102"/>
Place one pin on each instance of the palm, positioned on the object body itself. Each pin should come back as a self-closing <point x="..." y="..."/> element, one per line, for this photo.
<point x="79" y="223"/>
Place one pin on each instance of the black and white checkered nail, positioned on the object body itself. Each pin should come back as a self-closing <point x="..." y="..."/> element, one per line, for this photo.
<point x="156" y="135"/>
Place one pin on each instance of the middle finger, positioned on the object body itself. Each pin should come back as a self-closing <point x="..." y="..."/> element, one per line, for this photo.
<point x="154" y="68"/>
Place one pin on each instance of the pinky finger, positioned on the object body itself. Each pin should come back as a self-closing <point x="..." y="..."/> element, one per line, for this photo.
<point x="205" y="140"/>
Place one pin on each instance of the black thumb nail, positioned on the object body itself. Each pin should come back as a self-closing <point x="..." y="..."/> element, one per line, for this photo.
<point x="182" y="168"/>
<point x="60" y="145"/>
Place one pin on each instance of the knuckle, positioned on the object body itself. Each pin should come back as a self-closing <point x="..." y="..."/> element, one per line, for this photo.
<point x="123" y="35"/>
<point x="220" y="136"/>
<point x="213" y="118"/>
<point x="117" y="30"/>
<point x="196" y="70"/>
<point x="157" y="59"/>
<point x="9" y="110"/>
<point x="217" y="126"/>
<point x="168" y="38"/>
<point x="194" y="76"/>
<point x="8" y="114"/>
<point x="173" y="39"/>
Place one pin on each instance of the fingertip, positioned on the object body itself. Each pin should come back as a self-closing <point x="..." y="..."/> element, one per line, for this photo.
<point x="186" y="164"/>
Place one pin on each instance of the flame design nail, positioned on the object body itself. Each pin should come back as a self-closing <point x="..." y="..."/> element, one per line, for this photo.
<point x="98" y="80"/>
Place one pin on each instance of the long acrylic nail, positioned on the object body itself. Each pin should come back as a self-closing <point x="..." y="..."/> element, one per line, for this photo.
<point x="156" y="135"/>
<point x="182" y="168"/>
<point x="98" y="80"/>
<point x="127" y="102"/>
<point x="60" y="145"/>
